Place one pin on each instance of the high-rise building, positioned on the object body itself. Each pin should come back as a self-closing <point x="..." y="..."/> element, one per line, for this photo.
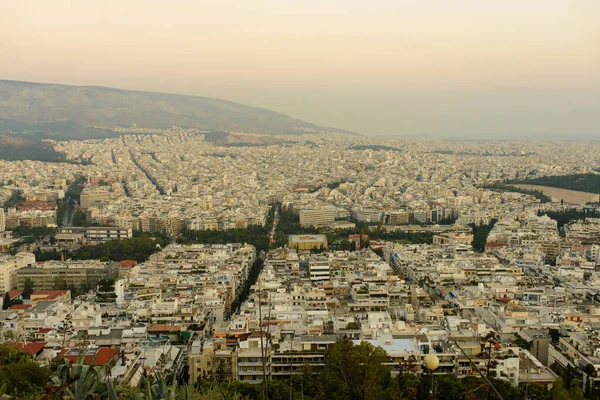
<point x="9" y="265"/>
<point x="2" y="220"/>
<point x="319" y="269"/>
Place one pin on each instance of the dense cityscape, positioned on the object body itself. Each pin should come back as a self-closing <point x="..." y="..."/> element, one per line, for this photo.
<point x="300" y="200"/>
<point x="301" y="266"/>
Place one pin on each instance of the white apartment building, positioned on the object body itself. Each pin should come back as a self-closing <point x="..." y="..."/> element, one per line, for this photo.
<point x="595" y="253"/>
<point x="317" y="216"/>
<point x="8" y="269"/>
<point x="105" y="233"/>
<point x="99" y="234"/>
<point x="2" y="220"/>
<point x="369" y="215"/>
<point x="318" y="269"/>
<point x="89" y="197"/>
<point x="398" y="217"/>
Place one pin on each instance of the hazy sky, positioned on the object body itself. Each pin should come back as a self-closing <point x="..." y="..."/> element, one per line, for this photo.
<point x="468" y="68"/>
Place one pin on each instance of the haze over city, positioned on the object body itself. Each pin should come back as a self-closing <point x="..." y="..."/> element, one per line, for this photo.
<point x="316" y="200"/>
<point x="468" y="69"/>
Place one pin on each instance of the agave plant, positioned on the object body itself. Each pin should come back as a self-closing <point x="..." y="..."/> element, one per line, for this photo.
<point x="160" y="390"/>
<point x="82" y="381"/>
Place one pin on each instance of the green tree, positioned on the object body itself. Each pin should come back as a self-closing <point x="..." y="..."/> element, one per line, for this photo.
<point x="575" y="392"/>
<point x="6" y="301"/>
<point x="356" y="372"/>
<point x="66" y="329"/>
<point x="27" y="288"/>
<point x="408" y="385"/>
<point x="19" y="375"/>
<point x="11" y="355"/>
<point x="522" y="343"/>
<point x="558" y="390"/>
<point x="129" y="393"/>
<point x="555" y="335"/>
<point x="59" y="284"/>
<point x="24" y="379"/>
<point x="447" y="387"/>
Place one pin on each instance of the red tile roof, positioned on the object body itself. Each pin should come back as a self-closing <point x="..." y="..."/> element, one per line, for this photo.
<point x="102" y="356"/>
<point x="20" y="307"/>
<point x="164" y="328"/>
<point x="50" y="294"/>
<point x="127" y="263"/>
<point x="33" y="348"/>
<point x="14" y="293"/>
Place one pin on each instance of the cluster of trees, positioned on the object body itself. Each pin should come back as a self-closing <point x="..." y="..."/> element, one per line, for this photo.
<point x="482" y="154"/>
<point x="401" y="236"/>
<point x="60" y="284"/>
<point x="500" y="187"/>
<point x="252" y="277"/>
<point x="582" y="182"/>
<point x="17" y="147"/>
<point x="374" y="147"/>
<point x="254" y="235"/>
<point x="330" y="186"/>
<point x="72" y="198"/>
<point x="138" y="248"/>
<point x="7" y="302"/>
<point x="79" y="218"/>
<point x="15" y="199"/>
<point x="354" y="372"/>
<point x="106" y="291"/>
<point x="358" y="372"/>
<point x="28" y="235"/>
<point x="289" y="224"/>
<point x="480" y="234"/>
<point x="20" y="376"/>
<point x="564" y="217"/>
<point x="46" y="255"/>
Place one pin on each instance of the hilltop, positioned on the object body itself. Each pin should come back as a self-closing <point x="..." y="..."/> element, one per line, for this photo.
<point x="14" y="148"/>
<point x="72" y="112"/>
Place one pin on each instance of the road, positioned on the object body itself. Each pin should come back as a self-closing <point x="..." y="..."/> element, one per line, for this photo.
<point x="275" y="222"/>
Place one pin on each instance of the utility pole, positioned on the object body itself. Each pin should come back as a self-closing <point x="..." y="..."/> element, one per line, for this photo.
<point x="262" y="347"/>
<point x="485" y="378"/>
<point x="291" y="369"/>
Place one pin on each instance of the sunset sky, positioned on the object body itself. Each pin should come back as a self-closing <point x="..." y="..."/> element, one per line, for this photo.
<point x="421" y="68"/>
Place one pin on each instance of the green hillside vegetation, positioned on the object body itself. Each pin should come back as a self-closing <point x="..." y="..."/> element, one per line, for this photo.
<point x="28" y="150"/>
<point x="581" y="182"/>
<point x="482" y="154"/>
<point x="72" y="112"/>
<point x="374" y="147"/>
<point x="500" y="187"/>
<point x="28" y="146"/>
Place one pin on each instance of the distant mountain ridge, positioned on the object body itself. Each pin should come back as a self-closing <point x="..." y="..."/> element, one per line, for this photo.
<point x="71" y="112"/>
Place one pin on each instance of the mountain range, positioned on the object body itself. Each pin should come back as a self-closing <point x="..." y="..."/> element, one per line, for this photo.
<point x="83" y="112"/>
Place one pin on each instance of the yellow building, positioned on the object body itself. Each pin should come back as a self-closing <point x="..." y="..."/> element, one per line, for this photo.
<point x="307" y="242"/>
